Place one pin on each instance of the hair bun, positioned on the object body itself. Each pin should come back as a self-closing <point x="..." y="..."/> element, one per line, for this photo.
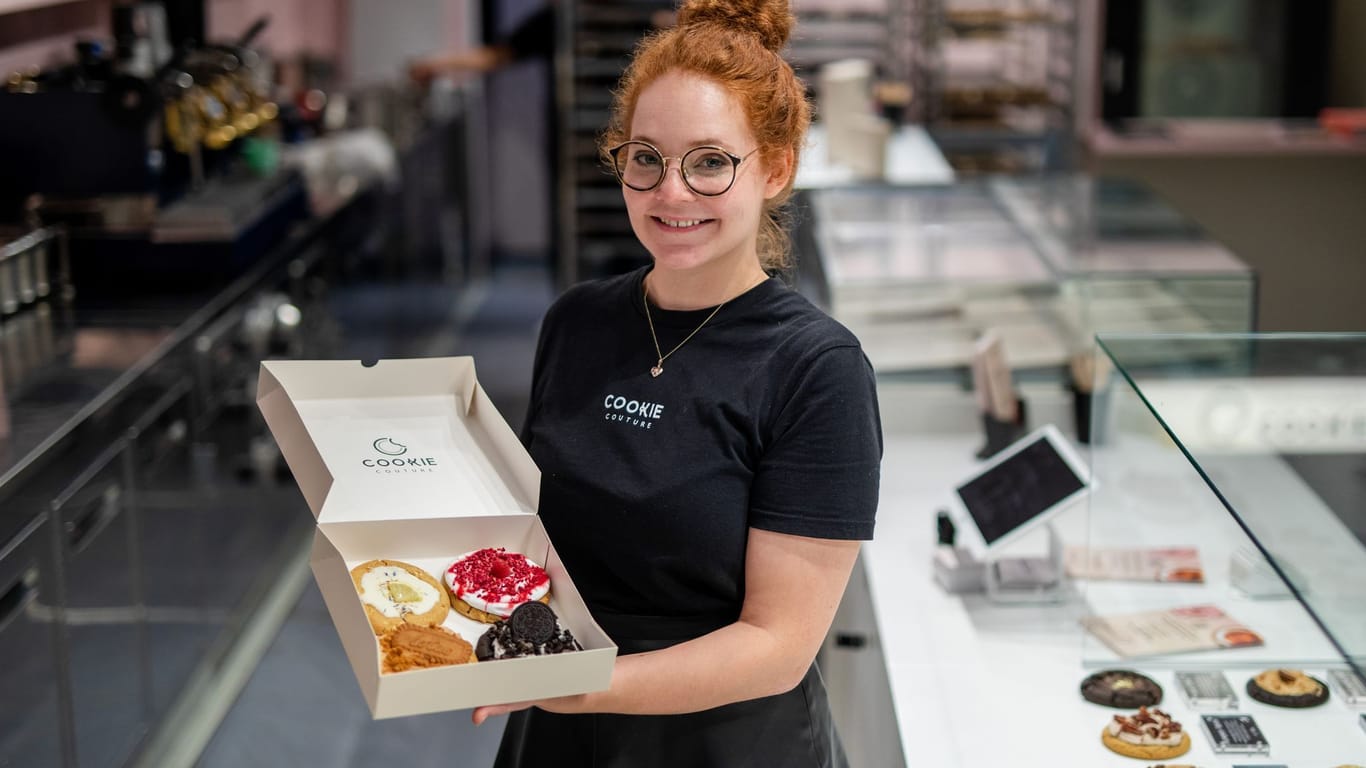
<point x="769" y="20"/>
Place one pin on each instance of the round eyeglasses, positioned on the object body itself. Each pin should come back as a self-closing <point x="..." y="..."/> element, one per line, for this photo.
<point x="707" y="170"/>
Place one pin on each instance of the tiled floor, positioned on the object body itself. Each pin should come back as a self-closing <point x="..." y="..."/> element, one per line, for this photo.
<point x="302" y="706"/>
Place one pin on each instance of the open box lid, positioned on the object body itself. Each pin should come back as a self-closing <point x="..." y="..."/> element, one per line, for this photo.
<point x="399" y="439"/>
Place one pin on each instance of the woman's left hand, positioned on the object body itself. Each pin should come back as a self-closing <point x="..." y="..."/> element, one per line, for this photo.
<point x="564" y="705"/>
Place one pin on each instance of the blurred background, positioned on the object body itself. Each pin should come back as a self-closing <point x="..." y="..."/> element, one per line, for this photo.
<point x="189" y="187"/>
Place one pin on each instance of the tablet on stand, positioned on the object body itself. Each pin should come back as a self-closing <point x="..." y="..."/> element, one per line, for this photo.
<point x="1017" y="490"/>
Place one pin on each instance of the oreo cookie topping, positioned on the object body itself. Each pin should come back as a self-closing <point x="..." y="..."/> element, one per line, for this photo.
<point x="532" y="630"/>
<point x="534" y="623"/>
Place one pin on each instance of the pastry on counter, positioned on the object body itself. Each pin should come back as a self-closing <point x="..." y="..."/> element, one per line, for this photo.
<point x="1287" y="688"/>
<point x="1151" y="734"/>
<point x="488" y="584"/>
<point x="395" y="593"/>
<point x="1121" y="688"/>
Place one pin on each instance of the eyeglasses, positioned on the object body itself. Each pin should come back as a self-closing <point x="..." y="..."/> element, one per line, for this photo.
<point x="709" y="171"/>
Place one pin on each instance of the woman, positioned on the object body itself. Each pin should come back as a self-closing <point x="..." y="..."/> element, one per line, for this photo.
<point x="708" y="440"/>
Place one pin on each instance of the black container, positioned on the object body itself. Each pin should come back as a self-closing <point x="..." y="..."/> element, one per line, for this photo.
<point x="1000" y="434"/>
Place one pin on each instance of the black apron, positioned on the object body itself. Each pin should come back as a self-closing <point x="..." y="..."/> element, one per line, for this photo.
<point x="789" y="729"/>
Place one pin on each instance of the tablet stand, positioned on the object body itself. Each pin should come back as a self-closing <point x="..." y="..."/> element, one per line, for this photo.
<point x="1004" y="579"/>
<point x="1028" y="579"/>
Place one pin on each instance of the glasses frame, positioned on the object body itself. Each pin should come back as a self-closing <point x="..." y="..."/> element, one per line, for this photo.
<point x="735" y="161"/>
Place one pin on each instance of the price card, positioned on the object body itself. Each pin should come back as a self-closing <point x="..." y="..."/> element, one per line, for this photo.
<point x="1235" y="734"/>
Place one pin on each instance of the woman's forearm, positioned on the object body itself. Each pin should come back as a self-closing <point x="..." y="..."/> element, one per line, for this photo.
<point x="735" y="663"/>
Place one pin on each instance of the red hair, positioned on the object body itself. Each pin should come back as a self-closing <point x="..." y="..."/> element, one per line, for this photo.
<point x="737" y="45"/>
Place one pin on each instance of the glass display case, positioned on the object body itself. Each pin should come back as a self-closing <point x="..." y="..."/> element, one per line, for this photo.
<point x="1225" y="540"/>
<point x="1248" y="452"/>
<point x="920" y="273"/>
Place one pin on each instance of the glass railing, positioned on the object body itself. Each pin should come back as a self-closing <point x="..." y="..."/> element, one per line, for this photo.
<point x="1249" y="451"/>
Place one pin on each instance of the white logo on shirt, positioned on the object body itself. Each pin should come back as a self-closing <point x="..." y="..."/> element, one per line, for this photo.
<point x="637" y="413"/>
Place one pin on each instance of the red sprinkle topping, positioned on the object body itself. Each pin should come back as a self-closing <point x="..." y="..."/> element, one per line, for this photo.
<point x="498" y="574"/>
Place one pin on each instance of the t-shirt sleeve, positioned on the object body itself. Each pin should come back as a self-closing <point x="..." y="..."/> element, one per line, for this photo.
<point x="818" y="474"/>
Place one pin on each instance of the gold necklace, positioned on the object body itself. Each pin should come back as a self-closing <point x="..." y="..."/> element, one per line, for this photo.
<point x="658" y="367"/>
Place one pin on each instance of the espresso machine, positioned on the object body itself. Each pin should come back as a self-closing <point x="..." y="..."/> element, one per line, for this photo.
<point x="147" y="151"/>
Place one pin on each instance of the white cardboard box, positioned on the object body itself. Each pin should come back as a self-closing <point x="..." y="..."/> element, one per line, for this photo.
<point x="409" y="460"/>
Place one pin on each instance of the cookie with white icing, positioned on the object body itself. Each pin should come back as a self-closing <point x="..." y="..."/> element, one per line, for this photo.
<point x="488" y="584"/>
<point x="395" y="593"/>
<point x="1151" y="734"/>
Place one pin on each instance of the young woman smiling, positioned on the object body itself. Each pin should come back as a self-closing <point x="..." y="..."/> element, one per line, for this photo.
<point x="711" y="534"/>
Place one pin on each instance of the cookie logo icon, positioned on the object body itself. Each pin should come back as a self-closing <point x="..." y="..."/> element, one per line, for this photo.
<point x="390" y="448"/>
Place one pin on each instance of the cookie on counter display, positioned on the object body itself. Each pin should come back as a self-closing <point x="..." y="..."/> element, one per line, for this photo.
<point x="1151" y="734"/>
<point x="1287" y="688"/>
<point x="1122" y="689"/>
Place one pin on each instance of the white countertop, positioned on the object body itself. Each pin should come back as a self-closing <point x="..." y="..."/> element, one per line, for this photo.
<point x="979" y="684"/>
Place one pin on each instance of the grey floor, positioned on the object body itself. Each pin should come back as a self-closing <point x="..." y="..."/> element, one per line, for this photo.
<point x="302" y="706"/>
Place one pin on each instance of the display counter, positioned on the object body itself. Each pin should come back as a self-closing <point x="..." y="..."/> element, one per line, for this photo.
<point x="919" y="273"/>
<point x="1227" y="445"/>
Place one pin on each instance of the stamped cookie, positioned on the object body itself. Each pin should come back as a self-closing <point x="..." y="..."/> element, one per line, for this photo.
<point x="412" y="647"/>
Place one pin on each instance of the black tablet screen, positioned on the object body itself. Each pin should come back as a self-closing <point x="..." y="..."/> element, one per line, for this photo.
<point x="1013" y="492"/>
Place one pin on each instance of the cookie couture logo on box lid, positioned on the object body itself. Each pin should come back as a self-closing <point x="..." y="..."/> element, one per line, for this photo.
<point x="393" y="459"/>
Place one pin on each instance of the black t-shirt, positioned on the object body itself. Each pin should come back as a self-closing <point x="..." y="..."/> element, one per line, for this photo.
<point x="766" y="418"/>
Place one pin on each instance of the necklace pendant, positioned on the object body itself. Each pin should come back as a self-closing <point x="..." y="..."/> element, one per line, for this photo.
<point x="655" y="370"/>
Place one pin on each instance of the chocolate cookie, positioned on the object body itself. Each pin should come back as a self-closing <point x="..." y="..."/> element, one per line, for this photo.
<point x="532" y="630"/>
<point x="1287" y="688"/>
<point x="1122" y="689"/>
<point x="533" y="622"/>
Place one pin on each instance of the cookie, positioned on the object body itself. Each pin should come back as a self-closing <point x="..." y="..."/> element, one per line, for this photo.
<point x="1146" y="751"/>
<point x="412" y="647"/>
<point x="470" y="612"/>
<point x="533" y="630"/>
<point x="534" y="622"/>
<point x="487" y="584"/>
<point x="1121" y="688"/>
<point x="1151" y="734"/>
<point x="1287" y="688"/>
<point x="396" y="593"/>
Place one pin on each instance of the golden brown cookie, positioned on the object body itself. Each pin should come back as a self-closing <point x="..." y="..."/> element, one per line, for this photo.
<point x="413" y="647"/>
<point x="1146" y="751"/>
<point x="1287" y="688"/>
<point x="395" y="593"/>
